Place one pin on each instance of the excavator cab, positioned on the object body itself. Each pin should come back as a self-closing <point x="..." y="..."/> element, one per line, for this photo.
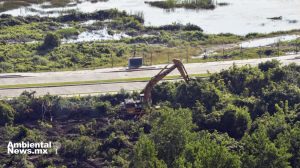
<point x="136" y="106"/>
<point x="133" y="107"/>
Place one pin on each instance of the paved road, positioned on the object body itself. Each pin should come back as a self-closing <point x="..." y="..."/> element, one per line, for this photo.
<point x="112" y="73"/>
<point x="76" y="90"/>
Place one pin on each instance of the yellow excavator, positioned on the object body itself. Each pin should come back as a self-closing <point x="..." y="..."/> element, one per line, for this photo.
<point x="136" y="106"/>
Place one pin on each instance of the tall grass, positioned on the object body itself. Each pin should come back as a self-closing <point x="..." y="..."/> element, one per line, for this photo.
<point x="14" y="4"/>
<point x="190" y="4"/>
<point x="198" y="3"/>
<point x="171" y="3"/>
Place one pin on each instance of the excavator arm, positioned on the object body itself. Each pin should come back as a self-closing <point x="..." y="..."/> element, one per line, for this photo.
<point x="164" y="72"/>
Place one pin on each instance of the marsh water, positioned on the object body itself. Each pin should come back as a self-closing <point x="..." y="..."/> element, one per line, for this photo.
<point x="95" y="35"/>
<point x="239" y="17"/>
<point x="268" y="41"/>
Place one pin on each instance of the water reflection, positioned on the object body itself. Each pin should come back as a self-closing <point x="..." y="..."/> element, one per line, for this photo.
<point x="240" y="17"/>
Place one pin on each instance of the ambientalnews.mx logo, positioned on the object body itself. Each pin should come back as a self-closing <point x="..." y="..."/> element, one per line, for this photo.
<point x="40" y="148"/>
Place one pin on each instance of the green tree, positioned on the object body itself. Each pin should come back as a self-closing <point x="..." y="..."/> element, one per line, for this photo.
<point x="259" y="151"/>
<point x="238" y="80"/>
<point x="235" y="121"/>
<point x="289" y="73"/>
<point x="280" y="92"/>
<point x="266" y="66"/>
<point x="103" y="108"/>
<point x="188" y="94"/>
<point x="291" y="140"/>
<point x="171" y="132"/>
<point x="294" y="137"/>
<point x="7" y="114"/>
<point x="145" y="154"/>
<point x="163" y="92"/>
<point x="23" y="133"/>
<point x="204" y="119"/>
<point x="81" y="148"/>
<point x="207" y="153"/>
<point x="275" y="124"/>
<point x="51" y="41"/>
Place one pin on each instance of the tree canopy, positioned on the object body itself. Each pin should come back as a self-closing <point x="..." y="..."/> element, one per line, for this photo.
<point x="241" y="117"/>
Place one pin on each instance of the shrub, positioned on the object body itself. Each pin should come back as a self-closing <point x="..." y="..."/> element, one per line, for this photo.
<point x="269" y="52"/>
<point x="252" y="35"/>
<point x="68" y="32"/>
<point x="171" y="132"/>
<point x="145" y="155"/>
<point x="38" y="60"/>
<point x="260" y="151"/>
<point x="207" y="153"/>
<point x="120" y="52"/>
<point x="235" y="121"/>
<point x="81" y="148"/>
<point x="192" y="27"/>
<point x="7" y="114"/>
<point x="5" y="66"/>
<point x="103" y="108"/>
<point x="51" y="41"/>
<point x="269" y="65"/>
<point x="26" y="134"/>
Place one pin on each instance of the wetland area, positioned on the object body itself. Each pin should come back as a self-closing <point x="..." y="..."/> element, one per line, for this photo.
<point x="97" y="34"/>
<point x="241" y="117"/>
<point x="238" y="17"/>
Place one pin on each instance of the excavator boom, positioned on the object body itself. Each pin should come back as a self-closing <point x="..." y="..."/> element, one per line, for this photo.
<point x="164" y="72"/>
<point x="136" y="106"/>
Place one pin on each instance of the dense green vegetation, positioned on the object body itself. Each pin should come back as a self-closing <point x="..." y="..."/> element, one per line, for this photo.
<point x="240" y="117"/>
